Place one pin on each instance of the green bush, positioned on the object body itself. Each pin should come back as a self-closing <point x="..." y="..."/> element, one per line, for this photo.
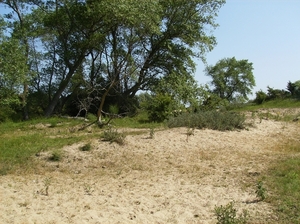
<point x="86" y="147"/>
<point x="215" y="120"/>
<point x="158" y="107"/>
<point x="260" y="97"/>
<point x="56" y="155"/>
<point x="112" y="135"/>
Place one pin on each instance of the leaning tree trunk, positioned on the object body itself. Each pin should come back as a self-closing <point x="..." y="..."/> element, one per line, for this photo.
<point x="49" y="110"/>
<point x="100" y="109"/>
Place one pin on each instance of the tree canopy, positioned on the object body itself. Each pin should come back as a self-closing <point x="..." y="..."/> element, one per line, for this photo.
<point x="231" y="79"/>
<point x="103" y="50"/>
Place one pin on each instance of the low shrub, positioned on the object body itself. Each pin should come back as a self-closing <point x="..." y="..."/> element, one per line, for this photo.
<point x="112" y="135"/>
<point x="56" y="155"/>
<point x="228" y="215"/>
<point x="215" y="120"/>
<point x="86" y="147"/>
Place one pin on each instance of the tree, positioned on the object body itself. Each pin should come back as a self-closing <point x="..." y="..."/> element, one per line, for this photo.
<point x="21" y="30"/>
<point x="13" y="70"/>
<point x="231" y="79"/>
<point x="141" y="57"/>
<point x="294" y="88"/>
<point x="116" y="48"/>
<point x="183" y="89"/>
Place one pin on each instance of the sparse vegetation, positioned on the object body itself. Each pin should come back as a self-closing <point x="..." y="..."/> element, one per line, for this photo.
<point x="189" y="132"/>
<point x="47" y="183"/>
<point x="210" y="119"/>
<point x="112" y="135"/>
<point x="88" y="189"/>
<point x="152" y="133"/>
<point x="228" y="215"/>
<point x="56" y="155"/>
<point x="29" y="140"/>
<point x="260" y="191"/>
<point x="86" y="147"/>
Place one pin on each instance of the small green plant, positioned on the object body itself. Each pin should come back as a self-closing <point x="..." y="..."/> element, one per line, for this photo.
<point x="56" y="155"/>
<point x="88" y="189"/>
<point x="86" y="147"/>
<point x="152" y="133"/>
<point x="112" y="135"/>
<point x="47" y="183"/>
<point x="53" y="124"/>
<point x="228" y="215"/>
<point x="190" y="132"/>
<point x="113" y="109"/>
<point x="260" y="191"/>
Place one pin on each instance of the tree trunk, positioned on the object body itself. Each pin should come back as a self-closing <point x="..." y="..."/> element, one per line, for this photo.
<point x="49" y="110"/>
<point x="24" y="103"/>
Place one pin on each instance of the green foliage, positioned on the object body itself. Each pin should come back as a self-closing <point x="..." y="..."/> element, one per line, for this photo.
<point x="183" y="89"/>
<point x="284" y="180"/>
<point x="123" y="46"/>
<point x="294" y="89"/>
<point x="112" y="135"/>
<point x="159" y="107"/>
<point x="231" y="78"/>
<point x="13" y="70"/>
<point x="215" y="120"/>
<point x="285" y="103"/>
<point x="260" y="191"/>
<point x="21" y="141"/>
<point x="228" y="215"/>
<point x="275" y="94"/>
<point x="113" y="109"/>
<point x="272" y="94"/>
<point x="86" y="147"/>
<point x="56" y="155"/>
<point x="260" y="97"/>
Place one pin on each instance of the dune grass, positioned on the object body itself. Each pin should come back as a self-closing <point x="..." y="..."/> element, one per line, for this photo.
<point x="286" y="103"/>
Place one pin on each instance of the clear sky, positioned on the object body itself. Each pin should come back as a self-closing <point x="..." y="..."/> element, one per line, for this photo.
<point x="266" y="33"/>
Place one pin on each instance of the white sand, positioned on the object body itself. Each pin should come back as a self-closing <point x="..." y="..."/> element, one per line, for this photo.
<point x="168" y="179"/>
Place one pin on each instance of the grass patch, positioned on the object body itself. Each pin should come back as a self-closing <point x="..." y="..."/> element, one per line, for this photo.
<point x="139" y="121"/>
<point x="284" y="180"/>
<point x="228" y="215"/>
<point x="285" y="103"/>
<point x="21" y="141"/>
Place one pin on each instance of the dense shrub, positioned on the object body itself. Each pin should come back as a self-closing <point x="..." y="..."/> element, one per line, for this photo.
<point x="215" y="120"/>
<point x="261" y="96"/>
<point x="159" y="107"/>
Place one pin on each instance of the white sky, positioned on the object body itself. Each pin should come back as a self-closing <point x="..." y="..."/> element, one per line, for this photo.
<point x="266" y="33"/>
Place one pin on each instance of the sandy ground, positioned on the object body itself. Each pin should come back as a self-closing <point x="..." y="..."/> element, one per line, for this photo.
<point x="171" y="178"/>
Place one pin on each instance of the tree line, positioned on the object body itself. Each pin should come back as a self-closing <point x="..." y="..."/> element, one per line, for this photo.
<point x="78" y="56"/>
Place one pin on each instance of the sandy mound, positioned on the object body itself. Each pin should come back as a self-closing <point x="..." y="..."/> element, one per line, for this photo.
<point x="171" y="178"/>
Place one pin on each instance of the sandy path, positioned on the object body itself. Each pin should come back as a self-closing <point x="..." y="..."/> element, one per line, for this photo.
<point x="162" y="180"/>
